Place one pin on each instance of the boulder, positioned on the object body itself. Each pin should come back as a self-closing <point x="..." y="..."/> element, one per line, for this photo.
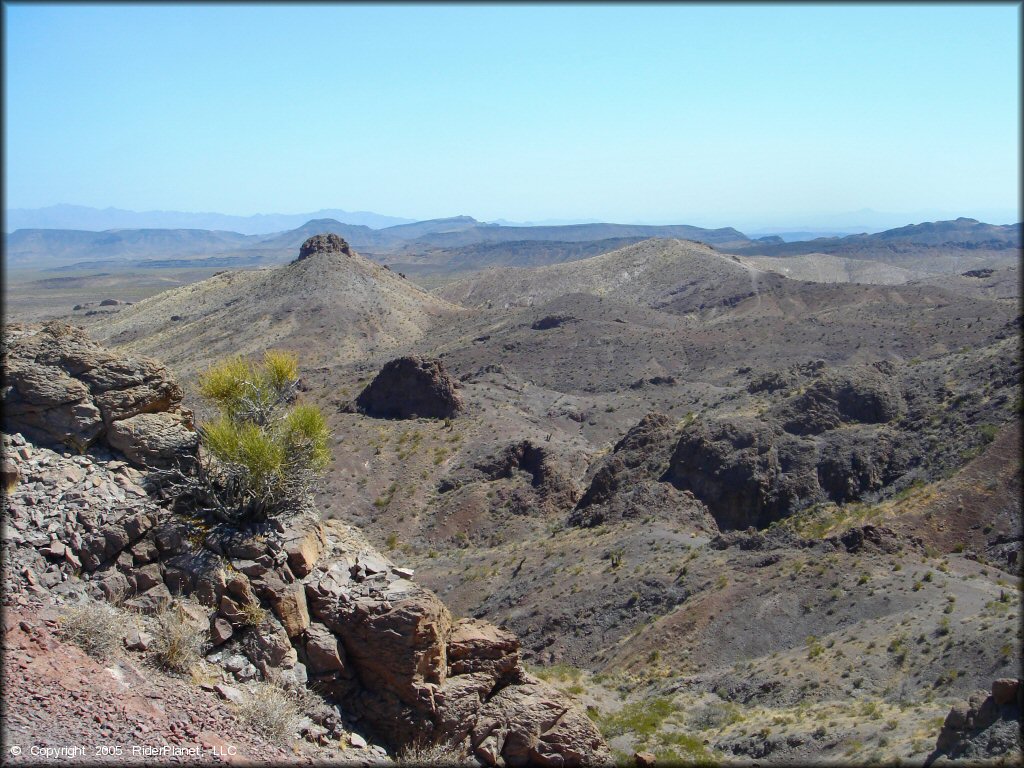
<point x="323" y="651"/>
<point x="1004" y="690"/>
<point x="289" y="605"/>
<point x="411" y="387"/>
<point x="152" y="601"/>
<point x="49" y="406"/>
<point x="397" y="647"/>
<point x="478" y="646"/>
<point x="10" y="475"/>
<point x="303" y="544"/>
<point x="137" y="640"/>
<point x="60" y="387"/>
<point x="220" y="631"/>
<point x="534" y="724"/>
<point x="267" y="646"/>
<point x="230" y="693"/>
<point x="156" y="440"/>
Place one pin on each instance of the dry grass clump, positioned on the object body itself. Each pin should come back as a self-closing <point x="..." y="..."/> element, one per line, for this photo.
<point x="253" y="614"/>
<point x="96" y="628"/>
<point x="422" y="752"/>
<point x="177" y="646"/>
<point x="270" y="711"/>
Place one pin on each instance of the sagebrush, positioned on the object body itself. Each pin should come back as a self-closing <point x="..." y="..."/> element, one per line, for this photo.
<point x="96" y="628"/>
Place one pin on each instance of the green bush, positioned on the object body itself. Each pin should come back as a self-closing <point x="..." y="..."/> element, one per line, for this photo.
<point x="264" y="454"/>
<point x="641" y="718"/>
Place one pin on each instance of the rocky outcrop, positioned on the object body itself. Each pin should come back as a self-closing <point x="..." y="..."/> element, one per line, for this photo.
<point x="326" y="243"/>
<point x="60" y="387"/>
<point x="985" y="728"/>
<point x="748" y="472"/>
<point x="861" y="460"/>
<point x="865" y="395"/>
<point x="741" y="471"/>
<point x="152" y="439"/>
<point x="411" y="387"/>
<point x="303" y="602"/>
<point x="626" y="483"/>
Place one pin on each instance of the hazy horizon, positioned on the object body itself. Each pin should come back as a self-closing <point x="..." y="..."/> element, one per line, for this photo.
<point x="865" y="220"/>
<point x="750" y="116"/>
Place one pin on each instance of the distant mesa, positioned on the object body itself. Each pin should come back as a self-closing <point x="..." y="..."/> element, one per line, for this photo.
<point x="325" y="243"/>
<point x="411" y="387"/>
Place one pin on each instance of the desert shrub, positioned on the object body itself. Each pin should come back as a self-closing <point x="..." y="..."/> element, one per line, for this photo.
<point x="641" y="718"/>
<point x="177" y="645"/>
<point x="988" y="432"/>
<point x="716" y="715"/>
<point x="270" y="711"/>
<point x="264" y="454"/>
<point x="423" y="752"/>
<point x="253" y="614"/>
<point x="96" y="628"/>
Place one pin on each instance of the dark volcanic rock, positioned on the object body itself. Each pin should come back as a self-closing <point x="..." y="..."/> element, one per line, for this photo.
<point x="865" y="396"/>
<point x="551" y="321"/>
<point x="987" y="728"/>
<point x="411" y="387"/>
<point x="861" y="460"/>
<point x="328" y="243"/>
<point x="625" y="484"/>
<point x="984" y="272"/>
<point x="748" y="472"/>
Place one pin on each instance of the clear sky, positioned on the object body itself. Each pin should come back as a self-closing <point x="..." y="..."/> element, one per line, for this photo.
<point x="685" y="113"/>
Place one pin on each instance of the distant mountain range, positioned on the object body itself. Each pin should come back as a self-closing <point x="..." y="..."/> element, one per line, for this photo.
<point x="962" y="234"/>
<point x="96" y="219"/>
<point x="62" y="248"/>
<point x="461" y="243"/>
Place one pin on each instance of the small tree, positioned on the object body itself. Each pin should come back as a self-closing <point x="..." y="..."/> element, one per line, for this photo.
<point x="264" y="454"/>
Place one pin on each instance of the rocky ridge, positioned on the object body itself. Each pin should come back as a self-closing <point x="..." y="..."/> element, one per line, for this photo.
<point x="302" y="602"/>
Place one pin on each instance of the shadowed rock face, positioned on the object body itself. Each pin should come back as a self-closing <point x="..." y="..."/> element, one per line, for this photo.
<point x="748" y="472"/>
<point x="548" y="488"/>
<point x="411" y="387"/>
<point x="328" y="243"/>
<point x="985" y="728"/>
<point x="626" y="483"/>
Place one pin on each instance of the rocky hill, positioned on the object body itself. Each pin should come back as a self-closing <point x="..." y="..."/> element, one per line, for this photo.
<point x="651" y="273"/>
<point x="335" y="306"/>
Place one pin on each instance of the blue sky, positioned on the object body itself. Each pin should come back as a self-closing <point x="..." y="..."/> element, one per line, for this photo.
<point x="694" y="114"/>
